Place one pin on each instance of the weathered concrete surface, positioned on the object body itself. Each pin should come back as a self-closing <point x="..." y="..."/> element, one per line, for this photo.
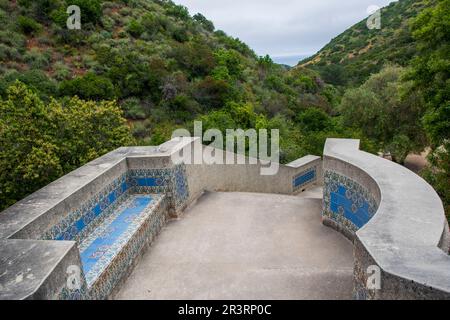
<point x="35" y="270"/>
<point x="245" y="246"/>
<point x="315" y="192"/>
<point x="406" y="237"/>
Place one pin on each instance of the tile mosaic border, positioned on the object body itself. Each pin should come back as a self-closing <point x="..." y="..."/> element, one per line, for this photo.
<point x="303" y="178"/>
<point x="124" y="261"/>
<point x="346" y="202"/>
<point x="78" y="224"/>
<point x="120" y="243"/>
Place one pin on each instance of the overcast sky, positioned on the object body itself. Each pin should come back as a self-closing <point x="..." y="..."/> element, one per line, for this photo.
<point x="284" y="29"/>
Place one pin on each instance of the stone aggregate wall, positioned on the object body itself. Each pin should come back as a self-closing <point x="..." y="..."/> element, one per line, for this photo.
<point x="395" y="220"/>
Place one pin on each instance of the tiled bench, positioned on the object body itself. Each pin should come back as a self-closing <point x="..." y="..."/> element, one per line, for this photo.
<point x="112" y="229"/>
<point x="113" y="246"/>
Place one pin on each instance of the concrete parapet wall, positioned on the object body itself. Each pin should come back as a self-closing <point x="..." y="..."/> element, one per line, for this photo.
<point x="405" y="237"/>
<point x="248" y="178"/>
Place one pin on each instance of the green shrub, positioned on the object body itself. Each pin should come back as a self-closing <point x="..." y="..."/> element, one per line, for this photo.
<point x="151" y="23"/>
<point x="139" y="130"/>
<point x="91" y="10"/>
<point x="208" y="25"/>
<point x="41" y="9"/>
<point x="9" y="53"/>
<point x="36" y="80"/>
<point x="89" y="87"/>
<point x="179" y="12"/>
<point x="180" y="35"/>
<point x="28" y="25"/>
<point x="37" y="59"/>
<point x="135" y="28"/>
<point x="133" y="109"/>
<point x="313" y="120"/>
<point x="59" y="17"/>
<point x="230" y="59"/>
<point x="61" y="71"/>
<point x="212" y="94"/>
<point x="12" y="39"/>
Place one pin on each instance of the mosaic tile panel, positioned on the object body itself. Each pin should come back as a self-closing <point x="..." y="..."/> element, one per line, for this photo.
<point x="133" y="248"/>
<point x="105" y="242"/>
<point x="78" y="294"/>
<point x="150" y="180"/>
<point x="347" y="202"/>
<point x="304" y="178"/>
<point x="180" y="185"/>
<point x="79" y="223"/>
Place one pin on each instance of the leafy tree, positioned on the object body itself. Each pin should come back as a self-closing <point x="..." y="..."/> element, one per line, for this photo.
<point x="36" y="80"/>
<point x="313" y="120"/>
<point x="28" y="152"/>
<point x="431" y="69"/>
<point x="212" y="93"/>
<point x="384" y="113"/>
<point x="431" y="78"/>
<point x="178" y="11"/>
<point x="208" y="25"/>
<point x="87" y="130"/>
<point x="231" y="60"/>
<point x="40" y="142"/>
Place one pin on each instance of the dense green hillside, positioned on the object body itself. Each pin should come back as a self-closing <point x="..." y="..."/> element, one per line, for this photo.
<point x="161" y="66"/>
<point x="164" y="67"/>
<point x="351" y="57"/>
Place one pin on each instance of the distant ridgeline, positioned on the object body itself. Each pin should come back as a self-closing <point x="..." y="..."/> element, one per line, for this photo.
<point x="351" y="57"/>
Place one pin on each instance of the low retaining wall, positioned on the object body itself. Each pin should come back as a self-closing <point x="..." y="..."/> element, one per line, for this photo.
<point x="33" y="225"/>
<point x="395" y="219"/>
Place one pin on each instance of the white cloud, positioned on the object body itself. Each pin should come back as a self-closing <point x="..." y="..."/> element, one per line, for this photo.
<point x="283" y="27"/>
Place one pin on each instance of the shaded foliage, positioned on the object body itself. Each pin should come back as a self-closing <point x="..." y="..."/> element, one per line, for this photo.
<point x="39" y="142"/>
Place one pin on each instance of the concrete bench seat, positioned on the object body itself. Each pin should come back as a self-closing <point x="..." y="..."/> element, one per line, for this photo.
<point x="117" y="235"/>
<point x="112" y="229"/>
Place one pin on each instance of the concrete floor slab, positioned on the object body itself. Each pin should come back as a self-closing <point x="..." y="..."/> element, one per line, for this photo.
<point x="245" y="246"/>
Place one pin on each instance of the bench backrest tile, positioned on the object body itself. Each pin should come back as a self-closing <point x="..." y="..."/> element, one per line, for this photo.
<point x="78" y="224"/>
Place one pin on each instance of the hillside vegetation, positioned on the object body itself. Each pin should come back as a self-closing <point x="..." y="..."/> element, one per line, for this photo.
<point x="396" y="83"/>
<point x="161" y="67"/>
<point x="350" y="58"/>
<point x="138" y="69"/>
<point x="164" y="67"/>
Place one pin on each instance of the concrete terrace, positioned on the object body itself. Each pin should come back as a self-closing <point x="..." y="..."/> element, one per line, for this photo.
<point x="246" y="246"/>
<point x="136" y="224"/>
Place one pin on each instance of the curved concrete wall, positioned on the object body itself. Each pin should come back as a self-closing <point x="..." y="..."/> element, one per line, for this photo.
<point x="395" y="219"/>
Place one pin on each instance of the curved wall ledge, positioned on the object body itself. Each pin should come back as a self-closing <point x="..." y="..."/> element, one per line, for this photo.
<point x="395" y="219"/>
